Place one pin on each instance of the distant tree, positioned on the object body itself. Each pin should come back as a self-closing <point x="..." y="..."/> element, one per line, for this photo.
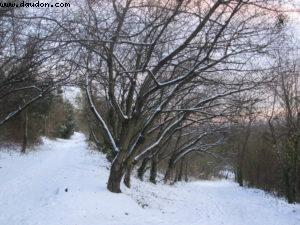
<point x="284" y="123"/>
<point x="67" y="128"/>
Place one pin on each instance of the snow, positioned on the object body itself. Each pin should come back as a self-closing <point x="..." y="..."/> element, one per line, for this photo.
<point x="33" y="192"/>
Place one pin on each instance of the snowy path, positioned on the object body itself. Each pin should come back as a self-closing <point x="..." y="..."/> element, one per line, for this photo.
<point x="32" y="192"/>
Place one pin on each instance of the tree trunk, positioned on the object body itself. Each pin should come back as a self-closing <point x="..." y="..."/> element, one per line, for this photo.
<point x="153" y="172"/>
<point x="128" y="176"/>
<point x="290" y="186"/>
<point x="142" y="169"/>
<point x="176" y="174"/>
<point x="25" y="136"/>
<point x="186" y="178"/>
<point x="179" y="178"/>
<point x="169" y="171"/>
<point x="239" y="174"/>
<point x="45" y="125"/>
<point x="115" y="177"/>
<point x="239" y="165"/>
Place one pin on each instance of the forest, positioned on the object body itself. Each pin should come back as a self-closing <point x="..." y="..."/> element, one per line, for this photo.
<point x="168" y="90"/>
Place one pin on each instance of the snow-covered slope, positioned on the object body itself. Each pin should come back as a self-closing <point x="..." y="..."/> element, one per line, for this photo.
<point x="63" y="183"/>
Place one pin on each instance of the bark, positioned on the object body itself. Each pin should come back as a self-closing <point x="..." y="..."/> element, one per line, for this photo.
<point x="239" y="175"/>
<point x="142" y="169"/>
<point x="25" y="136"/>
<point x="298" y="179"/>
<point x="291" y="182"/>
<point x="169" y="171"/>
<point x="180" y="172"/>
<point x="176" y="174"/>
<point x="186" y="178"/>
<point x="115" y="177"/>
<point x="45" y="126"/>
<point x="153" y="172"/>
<point x="290" y="188"/>
<point x="128" y="176"/>
<point x="242" y="152"/>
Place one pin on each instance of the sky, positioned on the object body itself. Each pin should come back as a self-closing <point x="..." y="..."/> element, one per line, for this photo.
<point x="293" y="11"/>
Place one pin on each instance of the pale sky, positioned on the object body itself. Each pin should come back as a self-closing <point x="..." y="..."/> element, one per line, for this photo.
<point x="294" y="14"/>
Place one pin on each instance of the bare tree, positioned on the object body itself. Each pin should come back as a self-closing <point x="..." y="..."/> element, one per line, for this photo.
<point x="157" y="64"/>
<point x="31" y="63"/>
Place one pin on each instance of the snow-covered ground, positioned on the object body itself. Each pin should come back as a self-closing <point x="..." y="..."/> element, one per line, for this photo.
<point x="63" y="183"/>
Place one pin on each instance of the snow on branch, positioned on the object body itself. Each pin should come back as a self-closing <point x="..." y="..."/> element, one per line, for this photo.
<point x="99" y="117"/>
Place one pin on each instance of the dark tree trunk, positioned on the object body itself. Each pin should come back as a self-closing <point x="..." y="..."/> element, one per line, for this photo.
<point x="169" y="171"/>
<point x="290" y="186"/>
<point x="45" y="126"/>
<point x="297" y="193"/>
<point x="153" y="172"/>
<point x="186" y="178"/>
<point x="115" y="177"/>
<point x="239" y="174"/>
<point x="241" y="154"/>
<point x="142" y="169"/>
<point x="176" y="174"/>
<point x="180" y="172"/>
<point x="239" y="165"/>
<point x="128" y="176"/>
<point x="25" y="136"/>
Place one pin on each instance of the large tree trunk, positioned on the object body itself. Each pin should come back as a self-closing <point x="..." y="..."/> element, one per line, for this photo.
<point x="115" y="177"/>
<point x="128" y="176"/>
<point x="153" y="172"/>
<point x="142" y="169"/>
<point x="25" y="136"/>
